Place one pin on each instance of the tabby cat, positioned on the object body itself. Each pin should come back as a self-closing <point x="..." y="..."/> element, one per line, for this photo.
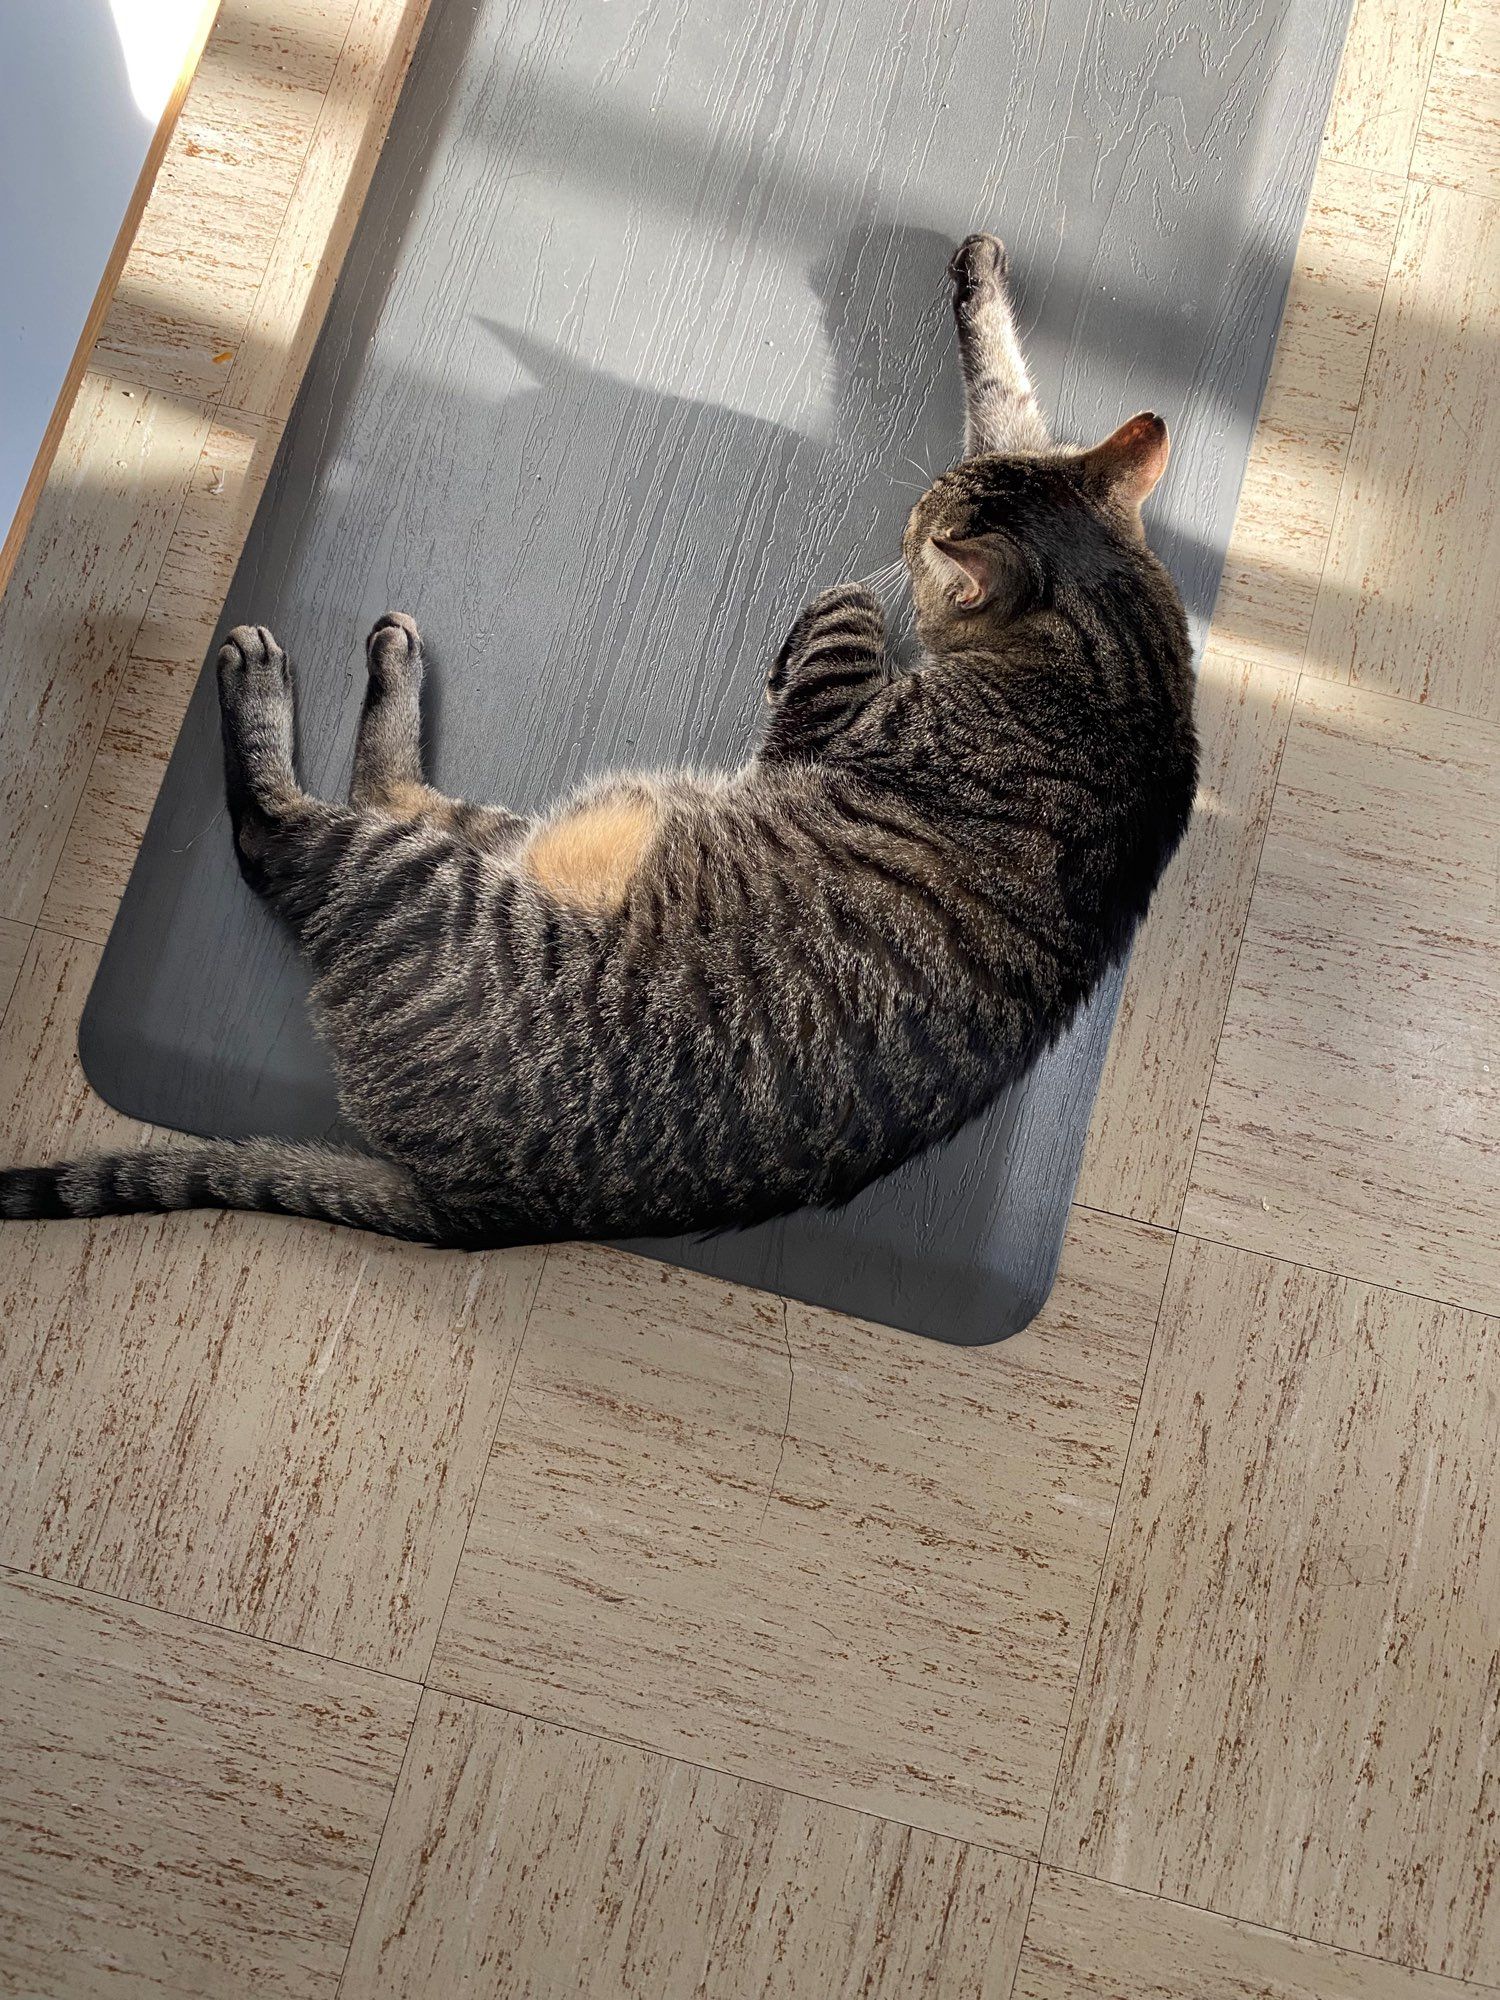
<point x="678" y="1002"/>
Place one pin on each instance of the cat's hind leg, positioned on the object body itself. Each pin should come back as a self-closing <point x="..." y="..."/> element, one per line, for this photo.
<point x="285" y="841"/>
<point x="388" y="776"/>
<point x="1000" y="407"/>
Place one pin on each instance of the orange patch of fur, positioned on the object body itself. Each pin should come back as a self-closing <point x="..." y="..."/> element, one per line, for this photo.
<point x="590" y="858"/>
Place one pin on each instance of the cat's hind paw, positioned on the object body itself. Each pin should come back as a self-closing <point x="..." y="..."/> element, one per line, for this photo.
<point x="980" y="262"/>
<point x="250" y="658"/>
<point x="393" y="651"/>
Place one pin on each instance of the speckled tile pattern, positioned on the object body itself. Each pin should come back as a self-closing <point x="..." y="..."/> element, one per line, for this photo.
<point x="1288" y="1708"/>
<point x="1378" y="104"/>
<point x="284" y="1434"/>
<point x="1458" y="140"/>
<point x="1395" y="612"/>
<point x="183" y="1813"/>
<point x="47" y="1110"/>
<point x="1287" y="504"/>
<point x="560" y="1864"/>
<point x="814" y="1632"/>
<point x="809" y="1552"/>
<point x="79" y="591"/>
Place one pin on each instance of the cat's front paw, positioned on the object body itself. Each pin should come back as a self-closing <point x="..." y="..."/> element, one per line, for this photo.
<point x="846" y="612"/>
<point x="978" y="264"/>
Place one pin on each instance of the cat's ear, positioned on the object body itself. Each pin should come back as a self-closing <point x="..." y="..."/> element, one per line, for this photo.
<point x="976" y="570"/>
<point x="1130" y="461"/>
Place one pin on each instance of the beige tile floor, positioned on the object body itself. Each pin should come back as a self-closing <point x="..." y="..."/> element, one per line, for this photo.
<point x="382" y="1623"/>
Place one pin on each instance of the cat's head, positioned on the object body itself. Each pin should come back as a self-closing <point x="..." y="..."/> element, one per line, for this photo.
<point x="989" y="538"/>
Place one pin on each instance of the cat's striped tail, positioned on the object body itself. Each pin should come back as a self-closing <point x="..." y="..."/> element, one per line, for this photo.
<point x="263" y="1174"/>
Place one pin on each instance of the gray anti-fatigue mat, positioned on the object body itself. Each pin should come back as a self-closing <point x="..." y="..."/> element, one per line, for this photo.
<point x="643" y="336"/>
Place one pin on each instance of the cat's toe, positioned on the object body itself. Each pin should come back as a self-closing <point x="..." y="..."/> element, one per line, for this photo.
<point x="980" y="260"/>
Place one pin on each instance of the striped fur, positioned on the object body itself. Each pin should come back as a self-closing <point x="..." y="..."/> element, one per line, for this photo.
<point x="745" y="993"/>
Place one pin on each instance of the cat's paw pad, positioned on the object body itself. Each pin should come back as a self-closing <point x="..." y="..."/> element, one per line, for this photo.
<point x="251" y="662"/>
<point x="394" y="647"/>
<point x="979" y="262"/>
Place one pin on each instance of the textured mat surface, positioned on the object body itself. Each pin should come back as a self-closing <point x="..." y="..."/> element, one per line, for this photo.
<point x="643" y="337"/>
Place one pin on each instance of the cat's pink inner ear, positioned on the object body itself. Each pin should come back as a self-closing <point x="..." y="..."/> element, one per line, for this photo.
<point x="1132" y="459"/>
<point x="976" y="564"/>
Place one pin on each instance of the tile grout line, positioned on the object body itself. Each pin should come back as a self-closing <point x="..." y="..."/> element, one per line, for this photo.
<point x="1343" y="1277"/>
<point x="1239" y="947"/>
<point x="390" y="1807"/>
<point x="1372" y="693"/>
<point x="1349" y="442"/>
<point x="489" y="1452"/>
<point x="1460" y="1984"/>
<point x="30" y="938"/>
<point x="981" y="1845"/>
<point x="1088" y="1628"/>
<point x="1036" y="1883"/>
<point x="1416" y="130"/>
<point x="191" y="1619"/>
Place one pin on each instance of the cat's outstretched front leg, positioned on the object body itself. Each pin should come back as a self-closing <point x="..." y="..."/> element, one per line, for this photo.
<point x="388" y="751"/>
<point x="1000" y="406"/>
<point x="830" y="664"/>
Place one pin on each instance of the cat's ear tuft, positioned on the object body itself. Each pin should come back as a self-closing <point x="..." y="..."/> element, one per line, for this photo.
<point x="1131" y="460"/>
<point x="973" y="569"/>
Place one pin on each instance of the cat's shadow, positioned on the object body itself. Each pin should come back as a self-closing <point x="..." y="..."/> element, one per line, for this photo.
<point x="749" y="513"/>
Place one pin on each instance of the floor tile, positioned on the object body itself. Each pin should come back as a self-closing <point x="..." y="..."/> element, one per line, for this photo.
<point x="69" y="616"/>
<point x="47" y="1111"/>
<point x="1161" y="1055"/>
<point x="1408" y="604"/>
<point x="1377" y="102"/>
<point x="522" y="1859"/>
<point x="1354" y="1117"/>
<point x="1386" y="827"/>
<point x="274" y="1425"/>
<point x="1091" y="1941"/>
<point x="159" y="677"/>
<point x="1458" y="140"/>
<point x="183" y="1813"/>
<point x="809" y="1552"/>
<point x="318" y="225"/>
<point x="1288" y="1711"/>
<point x="1290" y="493"/>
